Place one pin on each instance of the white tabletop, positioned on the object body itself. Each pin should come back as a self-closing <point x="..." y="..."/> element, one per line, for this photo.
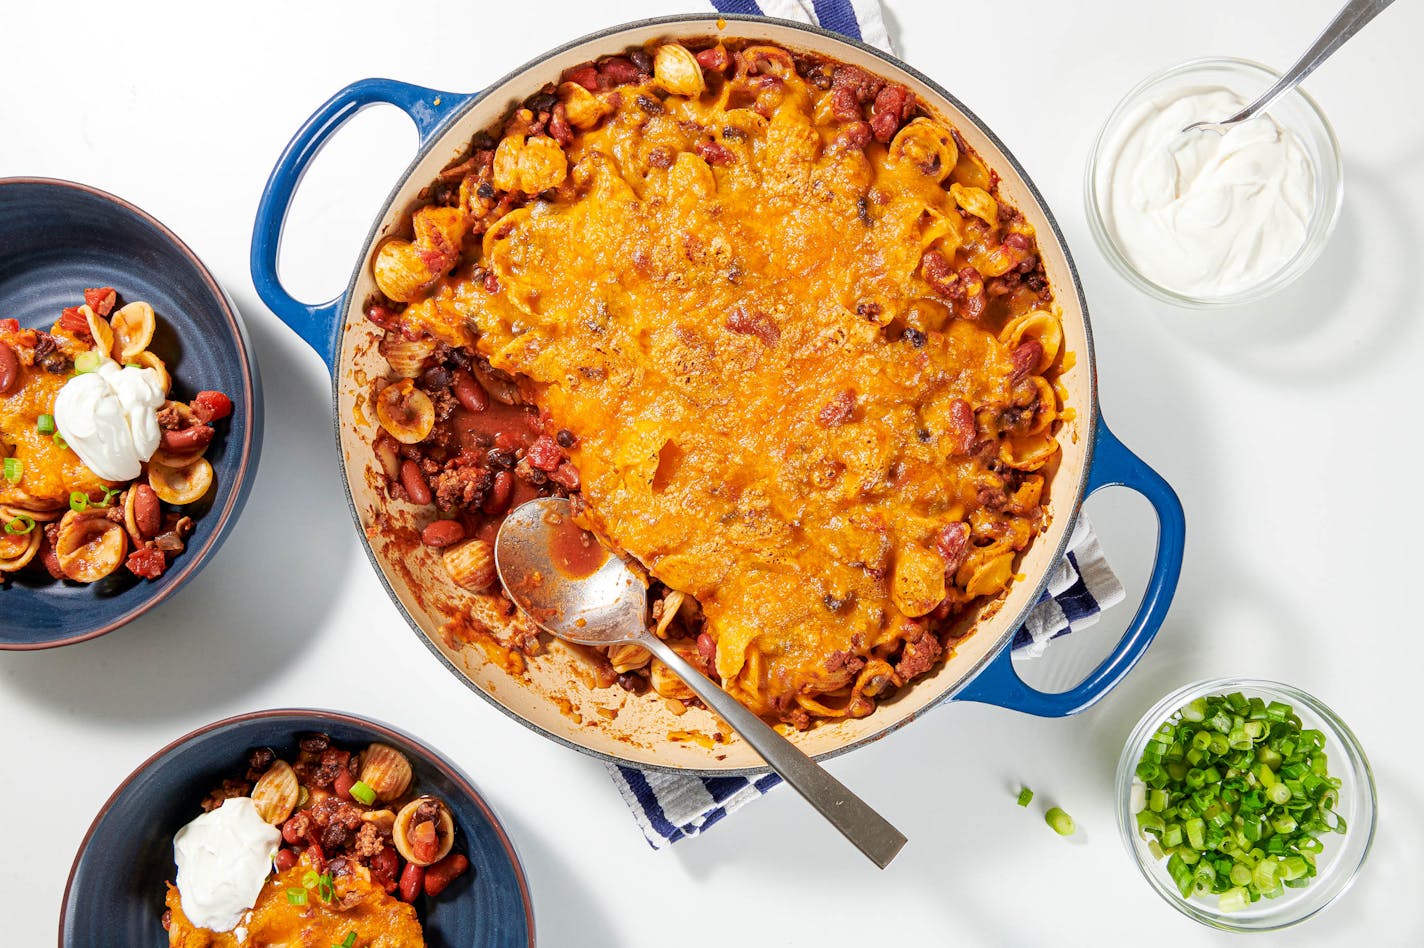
<point x="1289" y="428"/>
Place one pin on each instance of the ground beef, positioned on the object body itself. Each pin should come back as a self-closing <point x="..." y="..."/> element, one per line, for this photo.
<point x="230" y="789"/>
<point x="918" y="657"/>
<point x="170" y="419"/>
<point x="462" y="488"/>
<point x="369" y="841"/>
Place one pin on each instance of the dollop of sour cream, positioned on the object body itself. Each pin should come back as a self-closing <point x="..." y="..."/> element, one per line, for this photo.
<point x="109" y="417"/>
<point x="1205" y="214"/>
<point x="224" y="858"/>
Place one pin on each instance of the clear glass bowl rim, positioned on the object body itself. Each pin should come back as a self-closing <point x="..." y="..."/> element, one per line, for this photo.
<point x="1317" y="236"/>
<point x="1337" y="729"/>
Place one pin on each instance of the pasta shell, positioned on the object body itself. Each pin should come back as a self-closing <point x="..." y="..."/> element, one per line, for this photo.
<point x="627" y="657"/>
<point x="90" y="546"/>
<point x="401" y="272"/>
<point x="17" y="549"/>
<point x="992" y="575"/>
<point x="133" y="330"/>
<point x="413" y="843"/>
<point x="99" y="329"/>
<point x="471" y="564"/>
<point x="383" y="820"/>
<point x="925" y="146"/>
<point x="667" y="684"/>
<point x="148" y="360"/>
<point x="1028" y="453"/>
<point x="276" y="793"/>
<point x="405" y="412"/>
<point x="1040" y="325"/>
<point x="677" y="70"/>
<point x="976" y="201"/>
<point x="386" y="771"/>
<point x="407" y="357"/>
<point x="583" y="108"/>
<point x="917" y="584"/>
<point x="388" y="456"/>
<point x="180" y="485"/>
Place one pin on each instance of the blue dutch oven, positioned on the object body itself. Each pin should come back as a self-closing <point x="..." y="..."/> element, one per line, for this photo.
<point x="549" y="697"/>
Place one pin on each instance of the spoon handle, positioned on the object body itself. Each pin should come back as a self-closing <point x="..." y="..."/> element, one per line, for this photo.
<point x="1349" y="21"/>
<point x="871" y="833"/>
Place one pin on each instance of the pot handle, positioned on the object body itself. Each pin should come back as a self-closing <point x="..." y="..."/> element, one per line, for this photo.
<point x="1113" y="464"/>
<point x="319" y="324"/>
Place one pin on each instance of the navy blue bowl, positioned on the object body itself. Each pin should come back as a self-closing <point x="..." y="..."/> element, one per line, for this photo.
<point x="56" y="239"/>
<point x="116" y="888"/>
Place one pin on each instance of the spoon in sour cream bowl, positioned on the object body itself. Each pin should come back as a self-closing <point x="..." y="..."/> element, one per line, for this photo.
<point x="581" y="593"/>
<point x="1349" y="21"/>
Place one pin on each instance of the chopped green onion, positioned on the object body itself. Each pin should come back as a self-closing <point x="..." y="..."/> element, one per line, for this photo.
<point x="109" y="494"/>
<point x="23" y="523"/>
<point x="363" y="792"/>
<point x="348" y="942"/>
<point x="325" y="889"/>
<point x="58" y="439"/>
<point x="1061" y="822"/>
<point x="1238" y="794"/>
<point x="78" y="501"/>
<point x="45" y="424"/>
<point x="296" y="896"/>
<point x="14" y="468"/>
<point x="1025" y="796"/>
<point x="311" y="878"/>
<point x="88" y="361"/>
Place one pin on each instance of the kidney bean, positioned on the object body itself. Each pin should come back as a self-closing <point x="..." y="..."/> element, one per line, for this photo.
<point x="412" y="881"/>
<point x="442" y="533"/>
<point x="343" y="784"/>
<point x="414" y="483"/>
<point x="385" y="869"/>
<point x="500" y="493"/>
<point x="706" y="647"/>
<point x="9" y="369"/>
<point x="444" y="872"/>
<point x="285" y="859"/>
<point x="962" y="426"/>
<point x="1026" y="356"/>
<point x="716" y="58"/>
<point x="295" y="830"/>
<point x="468" y="392"/>
<point x="619" y="70"/>
<point x="186" y="439"/>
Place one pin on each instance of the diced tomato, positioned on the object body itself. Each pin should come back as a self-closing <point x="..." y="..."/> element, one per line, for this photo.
<point x="9" y="325"/>
<point x="211" y="406"/>
<point x="102" y="300"/>
<point x="75" y="322"/>
<point x="544" y="454"/>
<point x="147" y="563"/>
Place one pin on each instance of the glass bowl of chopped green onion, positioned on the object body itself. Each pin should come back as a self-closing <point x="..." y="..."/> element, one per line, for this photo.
<point x="1247" y="804"/>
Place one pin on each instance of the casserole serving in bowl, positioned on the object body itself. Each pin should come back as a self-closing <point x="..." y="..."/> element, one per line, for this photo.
<point x="116" y="889"/>
<point x="552" y="690"/>
<point x="63" y="244"/>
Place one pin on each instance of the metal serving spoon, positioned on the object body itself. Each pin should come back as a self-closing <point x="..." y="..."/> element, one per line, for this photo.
<point x="1346" y="24"/>
<point x="585" y="595"/>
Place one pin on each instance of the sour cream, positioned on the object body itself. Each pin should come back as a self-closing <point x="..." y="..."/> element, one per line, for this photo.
<point x="224" y="858"/>
<point x="1205" y="214"/>
<point x="110" y="418"/>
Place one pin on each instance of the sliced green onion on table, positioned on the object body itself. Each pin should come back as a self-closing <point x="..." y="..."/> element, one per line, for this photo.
<point x="1237" y="797"/>
<point x="1061" y="822"/>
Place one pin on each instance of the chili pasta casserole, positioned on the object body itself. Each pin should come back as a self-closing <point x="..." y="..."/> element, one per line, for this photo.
<point x="770" y="325"/>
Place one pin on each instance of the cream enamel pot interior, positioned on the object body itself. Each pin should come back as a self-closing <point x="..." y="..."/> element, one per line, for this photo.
<point x="554" y="697"/>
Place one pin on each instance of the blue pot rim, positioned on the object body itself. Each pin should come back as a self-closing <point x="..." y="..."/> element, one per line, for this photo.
<point x="438" y="760"/>
<point x="237" y="495"/>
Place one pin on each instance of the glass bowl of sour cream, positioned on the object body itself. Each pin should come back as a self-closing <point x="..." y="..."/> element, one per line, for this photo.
<point x="1208" y="219"/>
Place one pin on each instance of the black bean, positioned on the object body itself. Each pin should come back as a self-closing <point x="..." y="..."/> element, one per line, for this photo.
<point x="565" y="438"/>
<point x="914" y="337"/>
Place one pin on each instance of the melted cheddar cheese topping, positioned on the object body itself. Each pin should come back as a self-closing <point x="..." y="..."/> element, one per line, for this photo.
<point x="780" y="402"/>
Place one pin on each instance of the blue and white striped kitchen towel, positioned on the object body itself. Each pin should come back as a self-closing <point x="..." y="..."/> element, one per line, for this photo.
<point x="671" y="807"/>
